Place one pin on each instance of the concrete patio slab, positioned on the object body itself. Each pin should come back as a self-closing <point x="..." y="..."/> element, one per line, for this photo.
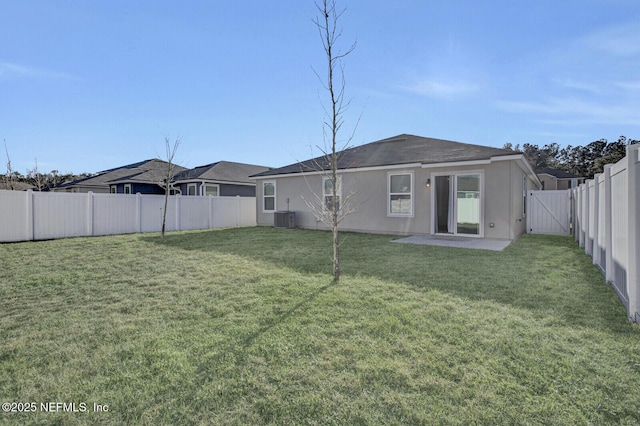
<point x="459" y="242"/>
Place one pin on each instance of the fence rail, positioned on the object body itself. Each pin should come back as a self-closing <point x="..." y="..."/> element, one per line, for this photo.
<point x="608" y="228"/>
<point x="29" y="215"/>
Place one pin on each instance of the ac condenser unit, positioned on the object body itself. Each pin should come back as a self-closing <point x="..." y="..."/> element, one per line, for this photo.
<point x="284" y="219"/>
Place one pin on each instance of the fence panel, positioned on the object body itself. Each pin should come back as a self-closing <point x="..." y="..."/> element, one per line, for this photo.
<point x="47" y="215"/>
<point x="600" y="248"/>
<point x="608" y="227"/>
<point x="619" y="232"/>
<point x="114" y="214"/>
<point x="15" y="217"/>
<point x="59" y="215"/>
<point x="194" y="212"/>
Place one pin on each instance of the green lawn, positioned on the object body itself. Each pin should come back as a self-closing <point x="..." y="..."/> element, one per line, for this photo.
<point x="244" y="326"/>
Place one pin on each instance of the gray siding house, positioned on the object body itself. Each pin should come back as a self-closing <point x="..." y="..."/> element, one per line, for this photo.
<point x="554" y="179"/>
<point x="224" y="178"/>
<point x="409" y="185"/>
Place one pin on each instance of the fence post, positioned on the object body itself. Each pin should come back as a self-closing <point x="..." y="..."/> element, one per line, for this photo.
<point x="89" y="216"/>
<point x="238" y="207"/>
<point x="30" y="231"/>
<point x="581" y="215"/>
<point x="138" y="212"/>
<point x="210" y="204"/>
<point x="633" y="277"/>
<point x="595" y="252"/>
<point x="608" y="238"/>
<point x="177" y="209"/>
<point x="588" y="247"/>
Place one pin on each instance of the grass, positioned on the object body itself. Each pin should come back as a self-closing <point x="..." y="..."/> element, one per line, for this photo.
<point x="245" y="326"/>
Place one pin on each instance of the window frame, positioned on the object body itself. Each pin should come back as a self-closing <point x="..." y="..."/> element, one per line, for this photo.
<point x="127" y="188"/>
<point x="113" y="189"/>
<point x="325" y="207"/>
<point x="214" y="185"/>
<point x="195" y="189"/>
<point x="264" y="196"/>
<point x="411" y="193"/>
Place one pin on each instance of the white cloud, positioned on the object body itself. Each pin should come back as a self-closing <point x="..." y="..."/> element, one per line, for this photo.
<point x="628" y="85"/>
<point x="8" y="69"/>
<point x="569" y="83"/>
<point x="622" y="40"/>
<point x="576" y="111"/>
<point x="442" y="89"/>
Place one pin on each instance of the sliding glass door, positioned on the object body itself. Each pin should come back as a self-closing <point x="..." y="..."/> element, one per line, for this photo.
<point x="457" y="200"/>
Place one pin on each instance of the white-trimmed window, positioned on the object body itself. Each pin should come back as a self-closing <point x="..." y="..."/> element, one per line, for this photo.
<point x="127" y="188"/>
<point x="212" y="189"/>
<point x="327" y="193"/>
<point x="113" y="189"/>
<point x="192" y="189"/>
<point x="400" y="194"/>
<point x="268" y="196"/>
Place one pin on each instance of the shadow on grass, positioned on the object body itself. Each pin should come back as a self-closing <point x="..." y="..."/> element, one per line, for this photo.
<point x="546" y="275"/>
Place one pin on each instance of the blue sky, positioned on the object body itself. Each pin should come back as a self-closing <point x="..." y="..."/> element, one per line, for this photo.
<point x="91" y="85"/>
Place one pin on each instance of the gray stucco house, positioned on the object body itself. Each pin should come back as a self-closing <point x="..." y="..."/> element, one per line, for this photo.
<point x="409" y="185"/>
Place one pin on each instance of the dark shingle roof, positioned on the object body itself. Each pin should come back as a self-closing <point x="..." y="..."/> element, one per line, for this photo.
<point x="560" y="174"/>
<point x="147" y="171"/>
<point x="401" y="149"/>
<point x="223" y="171"/>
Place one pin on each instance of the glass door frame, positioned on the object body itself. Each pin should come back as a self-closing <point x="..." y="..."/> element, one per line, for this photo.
<point x="454" y="175"/>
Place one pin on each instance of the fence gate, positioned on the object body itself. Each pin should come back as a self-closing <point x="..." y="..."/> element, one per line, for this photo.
<point x="549" y="212"/>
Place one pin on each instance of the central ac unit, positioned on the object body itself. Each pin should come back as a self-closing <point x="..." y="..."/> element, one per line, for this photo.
<point x="284" y="219"/>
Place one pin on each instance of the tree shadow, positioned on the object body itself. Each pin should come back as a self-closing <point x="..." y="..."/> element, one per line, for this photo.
<point x="545" y="275"/>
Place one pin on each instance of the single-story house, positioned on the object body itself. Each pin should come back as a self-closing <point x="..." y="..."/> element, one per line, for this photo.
<point x="140" y="177"/>
<point x="554" y="179"/>
<point x="408" y="185"/>
<point x="224" y="178"/>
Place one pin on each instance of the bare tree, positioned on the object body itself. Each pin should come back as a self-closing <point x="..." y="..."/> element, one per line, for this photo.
<point x="35" y="177"/>
<point x="9" y="177"/>
<point x="328" y="207"/>
<point x="168" y="177"/>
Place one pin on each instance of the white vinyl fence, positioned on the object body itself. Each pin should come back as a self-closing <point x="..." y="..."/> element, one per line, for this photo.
<point x="32" y="215"/>
<point x="608" y="226"/>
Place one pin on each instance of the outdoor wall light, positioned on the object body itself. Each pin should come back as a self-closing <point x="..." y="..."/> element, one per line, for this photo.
<point x="428" y="183"/>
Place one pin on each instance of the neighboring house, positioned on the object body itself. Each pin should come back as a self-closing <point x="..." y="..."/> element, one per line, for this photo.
<point x="409" y="185"/>
<point x="146" y="179"/>
<point x="554" y="179"/>
<point x="143" y="177"/>
<point x="17" y="186"/>
<point x="224" y="178"/>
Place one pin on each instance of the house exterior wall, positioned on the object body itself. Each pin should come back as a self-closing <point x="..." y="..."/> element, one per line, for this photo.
<point x="226" y="190"/>
<point x="502" y="200"/>
<point x="142" y="188"/>
<point x="549" y="183"/>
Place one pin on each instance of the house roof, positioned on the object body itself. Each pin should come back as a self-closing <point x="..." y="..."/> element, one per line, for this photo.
<point x="144" y="171"/>
<point x="222" y="171"/>
<point x="401" y="149"/>
<point x="17" y="186"/>
<point x="560" y="174"/>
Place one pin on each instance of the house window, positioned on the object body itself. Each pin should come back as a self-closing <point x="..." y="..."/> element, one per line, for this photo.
<point x="113" y="189"/>
<point x="268" y="196"/>
<point x="400" y="198"/>
<point x="212" y="190"/>
<point x="127" y="188"/>
<point x="192" y="189"/>
<point x="327" y="193"/>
